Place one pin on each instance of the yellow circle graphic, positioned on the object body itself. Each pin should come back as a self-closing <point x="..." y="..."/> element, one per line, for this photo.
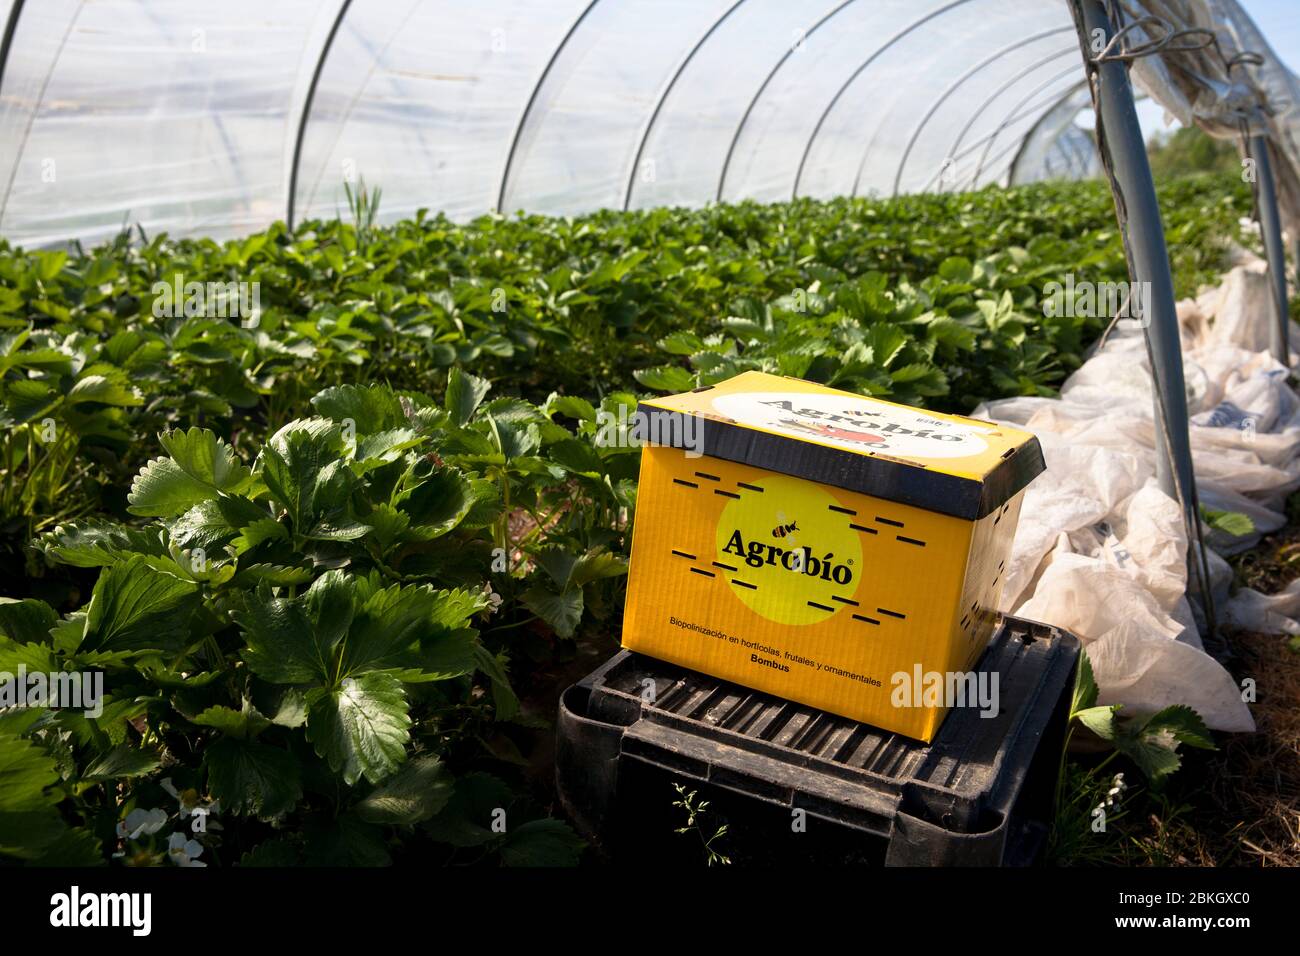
<point x="793" y="555"/>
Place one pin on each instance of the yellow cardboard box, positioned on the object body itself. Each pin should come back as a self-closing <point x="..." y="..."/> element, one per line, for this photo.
<point x="824" y="547"/>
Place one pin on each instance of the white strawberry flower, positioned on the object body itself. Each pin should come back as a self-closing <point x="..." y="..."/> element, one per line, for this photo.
<point x="183" y="851"/>
<point x="1116" y="791"/>
<point x="140" y="823"/>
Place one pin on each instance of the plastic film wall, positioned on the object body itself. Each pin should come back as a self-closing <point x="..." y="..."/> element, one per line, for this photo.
<point x="203" y="118"/>
<point x="1057" y="147"/>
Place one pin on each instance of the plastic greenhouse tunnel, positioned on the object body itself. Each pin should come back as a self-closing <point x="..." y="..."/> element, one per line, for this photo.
<point x="732" y="434"/>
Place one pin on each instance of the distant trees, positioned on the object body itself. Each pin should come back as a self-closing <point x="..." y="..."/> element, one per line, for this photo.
<point x="1187" y="151"/>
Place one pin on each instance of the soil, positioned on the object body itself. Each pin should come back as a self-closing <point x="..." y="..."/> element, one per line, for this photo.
<point x="1243" y="801"/>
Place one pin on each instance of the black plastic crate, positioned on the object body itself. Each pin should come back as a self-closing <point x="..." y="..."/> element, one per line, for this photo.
<point x="980" y="794"/>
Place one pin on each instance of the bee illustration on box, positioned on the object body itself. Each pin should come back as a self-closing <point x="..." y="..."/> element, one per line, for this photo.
<point x="839" y="434"/>
<point x="787" y="529"/>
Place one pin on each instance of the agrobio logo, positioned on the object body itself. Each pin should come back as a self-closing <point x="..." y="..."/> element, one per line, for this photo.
<point x="796" y="561"/>
<point x="854" y="423"/>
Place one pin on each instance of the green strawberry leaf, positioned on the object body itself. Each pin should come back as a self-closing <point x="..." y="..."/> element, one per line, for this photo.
<point x="29" y="820"/>
<point x="216" y="522"/>
<point x="371" y="409"/>
<point x="545" y="842"/>
<point x="163" y="489"/>
<point x="1179" y="722"/>
<point x="438" y="504"/>
<point x="242" y="724"/>
<point x="205" y="457"/>
<point x="252" y="778"/>
<point x="412" y="795"/>
<point x="382" y="448"/>
<point x="1100" y="720"/>
<point x="107" y="386"/>
<point x="305" y="470"/>
<point x="1085" y="686"/>
<point x="503" y="695"/>
<point x="136" y="607"/>
<point x="478" y="801"/>
<point x="562" y="612"/>
<point x="465" y="393"/>
<point x="415" y="630"/>
<point x="124" y="760"/>
<point x="665" y="378"/>
<point x="361" y="727"/>
<point x="97" y="544"/>
<point x="26" y="621"/>
<point x="292" y="640"/>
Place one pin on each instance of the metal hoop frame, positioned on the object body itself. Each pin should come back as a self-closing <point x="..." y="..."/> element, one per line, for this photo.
<point x="305" y="114"/>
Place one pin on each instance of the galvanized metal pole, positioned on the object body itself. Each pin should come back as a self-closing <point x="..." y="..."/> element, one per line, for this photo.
<point x="1124" y="157"/>
<point x="1120" y="137"/>
<point x="1270" y="224"/>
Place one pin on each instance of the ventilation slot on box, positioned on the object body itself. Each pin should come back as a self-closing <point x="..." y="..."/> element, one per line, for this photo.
<point x="889" y="521"/>
<point x="843" y="511"/>
<point x="683" y="481"/>
<point x="858" y="527"/>
<point x="725" y="494"/>
<point x="683" y="554"/>
<point x="887" y="611"/>
<point x="919" y="544"/>
<point x="707" y="574"/>
<point x="865" y="619"/>
<point x="748" y="487"/>
<point x="708" y="477"/>
<point x="744" y="584"/>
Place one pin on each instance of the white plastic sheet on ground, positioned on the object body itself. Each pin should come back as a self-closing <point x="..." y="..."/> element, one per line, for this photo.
<point x="1100" y="549"/>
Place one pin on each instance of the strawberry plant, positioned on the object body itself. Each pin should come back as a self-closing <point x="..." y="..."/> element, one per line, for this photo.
<point x="296" y="642"/>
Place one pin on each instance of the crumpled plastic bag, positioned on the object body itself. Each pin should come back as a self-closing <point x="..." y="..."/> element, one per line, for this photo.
<point x="1101" y="551"/>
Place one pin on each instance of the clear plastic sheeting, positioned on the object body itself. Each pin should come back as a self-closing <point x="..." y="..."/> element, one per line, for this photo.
<point x="119" y="112"/>
<point x="946" y="126"/>
<point x="575" y="149"/>
<point x="1057" y="147"/>
<point x="423" y="99"/>
<point x="202" y="118"/>
<point x="703" y="106"/>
